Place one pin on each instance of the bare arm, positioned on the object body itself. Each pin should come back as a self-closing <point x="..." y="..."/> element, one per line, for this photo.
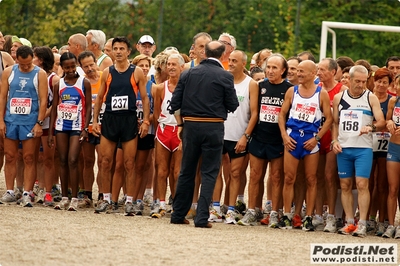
<point x="158" y="97"/>
<point x="42" y="91"/>
<point x="5" y="87"/>
<point x="98" y="103"/>
<point x="380" y="123"/>
<point x="390" y="124"/>
<point x="253" y="96"/>
<point x="53" y="114"/>
<point x="88" y="106"/>
<point x="141" y="81"/>
<point x="289" y="143"/>
<point x="335" y="125"/>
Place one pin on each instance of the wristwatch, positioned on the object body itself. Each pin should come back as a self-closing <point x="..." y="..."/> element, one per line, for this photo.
<point x="318" y="138"/>
<point x="39" y="122"/>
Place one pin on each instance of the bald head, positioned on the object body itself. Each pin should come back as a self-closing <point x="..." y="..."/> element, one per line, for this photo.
<point x="215" y="49"/>
<point x="77" y="43"/>
<point x="306" y="71"/>
<point x="309" y="65"/>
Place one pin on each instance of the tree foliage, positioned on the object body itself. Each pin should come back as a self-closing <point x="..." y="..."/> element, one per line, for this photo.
<point x="256" y="24"/>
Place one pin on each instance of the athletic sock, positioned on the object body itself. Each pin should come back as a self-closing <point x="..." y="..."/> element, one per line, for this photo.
<point x="107" y="197"/>
<point x="240" y="198"/>
<point x="129" y="199"/>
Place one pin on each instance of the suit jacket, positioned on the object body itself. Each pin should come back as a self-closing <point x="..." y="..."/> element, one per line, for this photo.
<point x="206" y="90"/>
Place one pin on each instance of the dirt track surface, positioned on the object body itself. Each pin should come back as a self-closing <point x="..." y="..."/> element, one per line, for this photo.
<point x="43" y="236"/>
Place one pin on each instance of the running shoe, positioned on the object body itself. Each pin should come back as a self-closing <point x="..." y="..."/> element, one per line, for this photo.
<point x="397" y="234"/>
<point x="148" y="199"/>
<point x="265" y="221"/>
<point x="389" y="232"/>
<point x="56" y="193"/>
<point x="380" y="229"/>
<point x="360" y="231"/>
<point x="40" y="196"/>
<point x="297" y="223"/>
<point x="170" y="200"/>
<point x="160" y="213"/>
<point x="230" y="217"/>
<point x="308" y="224"/>
<point x="113" y="207"/>
<point x="103" y="206"/>
<point x="36" y="188"/>
<point x="155" y="207"/>
<point x="85" y="203"/>
<point x="347" y="230"/>
<point x="130" y="208"/>
<point x="215" y="217"/>
<point x="285" y="223"/>
<point x="224" y="209"/>
<point x="26" y="201"/>
<point x="339" y="223"/>
<point x="191" y="213"/>
<point x="303" y="211"/>
<point x="273" y="220"/>
<point x="330" y="226"/>
<point x="240" y="207"/>
<point x="8" y="197"/>
<point x="63" y="204"/>
<point x="259" y="214"/>
<point x="371" y="226"/>
<point x="81" y="193"/>
<point x="267" y="207"/>
<point x="17" y="193"/>
<point x="121" y="201"/>
<point x="48" y="200"/>
<point x="248" y="219"/>
<point x="318" y="223"/>
<point x="73" y="206"/>
<point x="139" y="208"/>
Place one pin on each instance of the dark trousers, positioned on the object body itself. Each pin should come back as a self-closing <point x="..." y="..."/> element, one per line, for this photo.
<point x="205" y="140"/>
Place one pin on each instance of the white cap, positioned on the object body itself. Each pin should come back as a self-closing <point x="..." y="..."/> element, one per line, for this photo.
<point x="146" y="38"/>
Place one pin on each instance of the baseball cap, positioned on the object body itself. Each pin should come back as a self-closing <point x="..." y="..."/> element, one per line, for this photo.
<point x="21" y="40"/>
<point x="146" y="38"/>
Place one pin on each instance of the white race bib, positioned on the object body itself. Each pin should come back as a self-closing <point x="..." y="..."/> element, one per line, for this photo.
<point x="396" y="115"/>
<point x="20" y="106"/>
<point x="350" y="122"/>
<point x="269" y="113"/>
<point x="380" y="141"/>
<point x="67" y="111"/>
<point x="119" y="103"/>
<point x="305" y="113"/>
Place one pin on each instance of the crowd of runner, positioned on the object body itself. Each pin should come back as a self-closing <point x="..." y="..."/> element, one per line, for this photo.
<point x="321" y="139"/>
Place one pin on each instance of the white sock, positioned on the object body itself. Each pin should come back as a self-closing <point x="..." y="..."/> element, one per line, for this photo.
<point x="11" y="192"/>
<point x="107" y="197"/>
<point x="194" y="206"/>
<point x="129" y="199"/>
<point x="148" y="191"/>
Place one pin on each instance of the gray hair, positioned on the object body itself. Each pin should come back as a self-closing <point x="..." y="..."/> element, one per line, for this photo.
<point x="359" y="69"/>
<point x="80" y="39"/>
<point x="98" y="37"/>
<point x="201" y="34"/>
<point x="233" y="39"/>
<point x="179" y="57"/>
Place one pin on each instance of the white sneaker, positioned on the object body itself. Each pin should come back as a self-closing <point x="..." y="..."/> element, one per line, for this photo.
<point x="26" y="201"/>
<point x="380" y="229"/>
<point x="215" y="217"/>
<point x="389" y="232"/>
<point x="73" y="206"/>
<point x="62" y="205"/>
<point x="330" y="226"/>
<point x="318" y="223"/>
<point x="40" y="196"/>
<point x="230" y="217"/>
<point x="273" y="220"/>
<point x="267" y="208"/>
<point x="397" y="234"/>
<point x="360" y="231"/>
<point x="8" y="197"/>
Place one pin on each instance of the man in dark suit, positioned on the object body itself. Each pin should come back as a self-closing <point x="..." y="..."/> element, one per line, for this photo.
<point x="203" y="97"/>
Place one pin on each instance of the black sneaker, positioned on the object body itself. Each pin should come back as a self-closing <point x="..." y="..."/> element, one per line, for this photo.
<point x="307" y="224"/>
<point x="285" y="223"/>
<point x="240" y="207"/>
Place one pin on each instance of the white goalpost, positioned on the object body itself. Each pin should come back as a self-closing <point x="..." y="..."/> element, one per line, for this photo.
<point x="328" y="25"/>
